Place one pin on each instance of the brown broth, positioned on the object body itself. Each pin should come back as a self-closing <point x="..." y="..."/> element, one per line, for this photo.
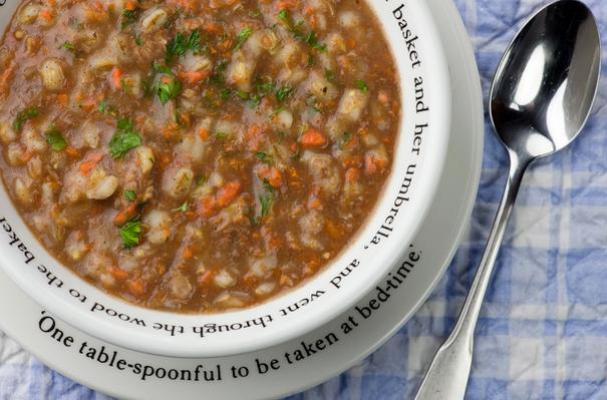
<point x="196" y="156"/>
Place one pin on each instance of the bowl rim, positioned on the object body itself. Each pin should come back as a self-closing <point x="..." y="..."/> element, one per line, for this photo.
<point x="305" y="322"/>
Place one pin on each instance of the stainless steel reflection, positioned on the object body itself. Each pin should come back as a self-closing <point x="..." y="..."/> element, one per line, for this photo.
<point x="541" y="98"/>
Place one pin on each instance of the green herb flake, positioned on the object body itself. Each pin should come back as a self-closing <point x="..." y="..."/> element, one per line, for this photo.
<point x="312" y="40"/>
<point x="242" y="95"/>
<point x="168" y="89"/>
<point x="225" y="94"/>
<point x="181" y="44"/>
<point x="23" y="117"/>
<point x="55" y="139"/>
<point x="125" y="139"/>
<point x="283" y="93"/>
<point x="264" y="157"/>
<point x="103" y="107"/>
<point x="266" y="201"/>
<point x="69" y="46"/>
<point x="184" y="208"/>
<point x="283" y="15"/>
<point x="242" y="37"/>
<point x="221" y="135"/>
<point x="362" y="85"/>
<point x="131" y="234"/>
<point x="130" y="195"/>
<point x="129" y="17"/>
<point x="138" y="41"/>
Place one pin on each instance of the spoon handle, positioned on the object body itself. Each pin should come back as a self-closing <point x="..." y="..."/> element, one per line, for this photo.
<point x="447" y="377"/>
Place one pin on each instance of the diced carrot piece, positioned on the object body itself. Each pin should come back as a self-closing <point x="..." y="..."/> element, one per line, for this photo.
<point x="204" y="134"/>
<point x="63" y="99"/>
<point x="205" y="278"/>
<point x="313" y="138"/>
<point x="119" y="273"/>
<point x="47" y="15"/>
<point x="212" y="27"/>
<point x="286" y="5"/>
<point x="373" y="164"/>
<point x="334" y="230"/>
<point x="207" y="206"/>
<point x="136" y="287"/>
<point x="194" y="77"/>
<point x="130" y="5"/>
<point x="88" y="166"/>
<point x="117" y="75"/>
<point x="187" y="253"/>
<point x="228" y="193"/>
<point x="5" y="78"/>
<point x="27" y="155"/>
<point x="272" y="175"/>
<point x="254" y="137"/>
<point x="352" y="175"/>
<point x="72" y="152"/>
<point x="126" y="214"/>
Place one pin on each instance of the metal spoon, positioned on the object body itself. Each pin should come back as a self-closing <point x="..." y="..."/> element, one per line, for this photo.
<point x="540" y="100"/>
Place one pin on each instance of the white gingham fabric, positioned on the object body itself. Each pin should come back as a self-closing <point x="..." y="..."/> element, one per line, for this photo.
<point x="543" y="330"/>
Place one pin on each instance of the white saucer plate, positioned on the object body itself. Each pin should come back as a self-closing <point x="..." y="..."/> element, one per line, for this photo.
<point x="313" y="358"/>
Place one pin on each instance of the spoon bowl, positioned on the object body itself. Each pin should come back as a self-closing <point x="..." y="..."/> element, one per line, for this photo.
<point x="545" y="86"/>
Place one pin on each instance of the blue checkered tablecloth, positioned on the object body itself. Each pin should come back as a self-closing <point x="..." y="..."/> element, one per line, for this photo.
<point x="543" y="330"/>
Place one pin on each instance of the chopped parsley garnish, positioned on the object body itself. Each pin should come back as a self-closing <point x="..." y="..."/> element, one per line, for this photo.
<point x="266" y="202"/>
<point x="184" y="208"/>
<point x="23" y="117"/>
<point x="180" y="45"/>
<point x="283" y="93"/>
<point x="242" y="37"/>
<point x="168" y="89"/>
<point x="103" y="107"/>
<point x="283" y="15"/>
<point x="125" y="139"/>
<point x="130" y="195"/>
<point x="362" y="85"/>
<point x="131" y="234"/>
<point x="106" y="108"/>
<point x="138" y="41"/>
<point x="242" y="95"/>
<point x="264" y="157"/>
<point x="311" y="39"/>
<point x="55" y="139"/>
<point x="221" y="135"/>
<point x="225" y="94"/>
<point x="69" y="46"/>
<point x="129" y="17"/>
<point x="218" y="78"/>
<point x="265" y="88"/>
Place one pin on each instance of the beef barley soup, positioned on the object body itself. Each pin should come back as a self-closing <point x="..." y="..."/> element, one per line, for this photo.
<point x="196" y="155"/>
